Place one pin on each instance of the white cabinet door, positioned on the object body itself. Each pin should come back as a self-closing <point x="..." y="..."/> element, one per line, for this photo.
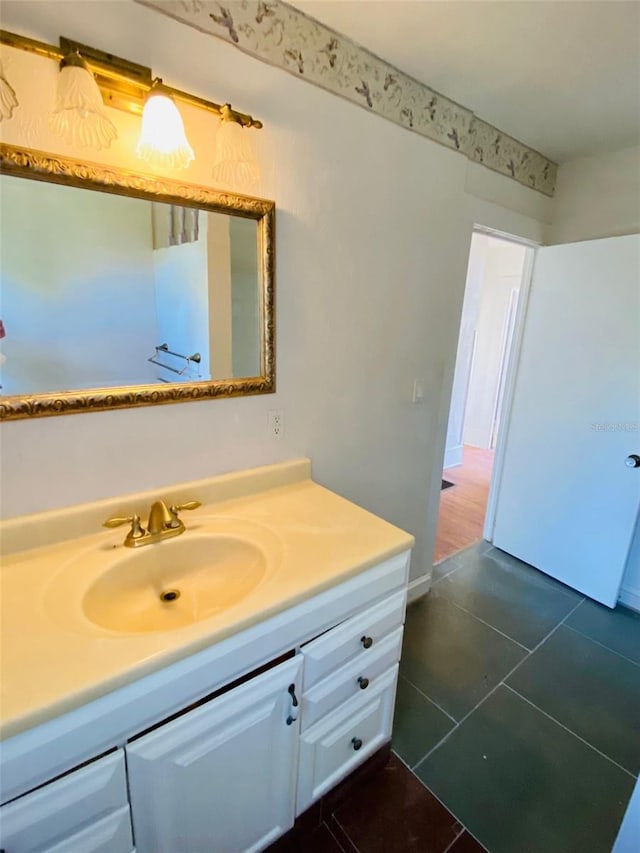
<point x="220" y="778"/>
<point x="85" y="811"/>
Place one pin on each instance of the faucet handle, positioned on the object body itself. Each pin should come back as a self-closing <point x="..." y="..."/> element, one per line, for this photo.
<point x="134" y="520"/>
<point x="187" y="505"/>
<point x="176" y="508"/>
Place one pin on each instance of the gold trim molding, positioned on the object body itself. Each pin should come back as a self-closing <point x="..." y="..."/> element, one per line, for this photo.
<point x="39" y="165"/>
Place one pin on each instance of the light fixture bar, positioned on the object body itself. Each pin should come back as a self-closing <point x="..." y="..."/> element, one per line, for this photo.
<point x="124" y="84"/>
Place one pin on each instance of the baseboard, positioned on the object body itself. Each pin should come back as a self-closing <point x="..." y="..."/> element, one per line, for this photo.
<point x="630" y="597"/>
<point x="418" y="587"/>
<point x="453" y="456"/>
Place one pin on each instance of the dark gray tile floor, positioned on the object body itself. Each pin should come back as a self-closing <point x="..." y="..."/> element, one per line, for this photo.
<point x="519" y="705"/>
<point x="617" y="629"/>
<point x="451" y="656"/>
<point x="589" y="689"/>
<point x="419" y="724"/>
<point x="523" y="604"/>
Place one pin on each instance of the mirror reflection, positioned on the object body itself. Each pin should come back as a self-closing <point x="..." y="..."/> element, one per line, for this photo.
<point x="102" y="290"/>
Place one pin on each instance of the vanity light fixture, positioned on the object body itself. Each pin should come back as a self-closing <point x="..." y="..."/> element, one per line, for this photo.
<point x="125" y="85"/>
<point x="8" y="100"/>
<point x="234" y="162"/>
<point x="79" y="115"/>
<point x="163" y="141"/>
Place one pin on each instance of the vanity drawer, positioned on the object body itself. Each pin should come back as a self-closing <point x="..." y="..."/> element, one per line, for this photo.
<point x="357" y="637"/>
<point x="112" y="834"/>
<point x="340" y="741"/>
<point x="58" y="816"/>
<point x="344" y="684"/>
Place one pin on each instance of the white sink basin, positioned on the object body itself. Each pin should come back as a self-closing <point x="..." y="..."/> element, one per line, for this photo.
<point x="165" y="585"/>
<point x="174" y="583"/>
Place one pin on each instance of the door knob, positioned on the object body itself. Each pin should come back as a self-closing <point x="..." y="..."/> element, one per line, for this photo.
<point x="632" y="461"/>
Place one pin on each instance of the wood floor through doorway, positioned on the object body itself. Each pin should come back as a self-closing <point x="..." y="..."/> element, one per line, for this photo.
<point x="463" y="507"/>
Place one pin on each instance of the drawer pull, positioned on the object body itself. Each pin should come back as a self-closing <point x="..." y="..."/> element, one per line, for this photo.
<point x="367" y="642"/>
<point x="356" y="743"/>
<point x="363" y="682"/>
<point x="293" y="716"/>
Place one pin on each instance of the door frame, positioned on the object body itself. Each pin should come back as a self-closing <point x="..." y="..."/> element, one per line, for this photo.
<point x="511" y="371"/>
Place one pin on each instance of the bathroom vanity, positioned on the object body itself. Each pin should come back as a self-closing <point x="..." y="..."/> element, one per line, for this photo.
<point x="210" y="723"/>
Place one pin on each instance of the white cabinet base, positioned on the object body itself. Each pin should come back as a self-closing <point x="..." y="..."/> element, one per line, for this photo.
<point x="229" y="775"/>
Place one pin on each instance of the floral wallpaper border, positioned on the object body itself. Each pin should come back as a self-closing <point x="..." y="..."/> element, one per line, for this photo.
<point x="283" y="36"/>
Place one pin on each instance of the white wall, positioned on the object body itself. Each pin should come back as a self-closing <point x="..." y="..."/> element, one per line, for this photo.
<point x="598" y="197"/>
<point x="182" y="305"/>
<point x="464" y="355"/>
<point x="77" y="283"/>
<point x="245" y="269"/>
<point x="373" y="231"/>
<point x="502" y="274"/>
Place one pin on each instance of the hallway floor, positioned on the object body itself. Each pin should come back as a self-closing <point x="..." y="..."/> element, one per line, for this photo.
<point x="463" y="507"/>
<point x="518" y="705"/>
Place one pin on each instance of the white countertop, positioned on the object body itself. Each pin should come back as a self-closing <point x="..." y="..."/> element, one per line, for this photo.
<point x="54" y="659"/>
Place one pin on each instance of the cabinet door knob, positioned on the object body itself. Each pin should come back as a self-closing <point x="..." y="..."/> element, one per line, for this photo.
<point x="363" y="682"/>
<point x="632" y="461"/>
<point x="356" y="743"/>
<point x="367" y="642"/>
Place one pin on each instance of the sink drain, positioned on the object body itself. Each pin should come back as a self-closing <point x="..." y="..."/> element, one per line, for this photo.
<point x="170" y="595"/>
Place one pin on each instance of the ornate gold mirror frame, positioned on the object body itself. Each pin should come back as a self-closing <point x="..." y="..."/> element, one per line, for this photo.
<point x="41" y="166"/>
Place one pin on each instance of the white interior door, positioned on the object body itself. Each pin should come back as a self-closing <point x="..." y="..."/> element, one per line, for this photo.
<point x="568" y="500"/>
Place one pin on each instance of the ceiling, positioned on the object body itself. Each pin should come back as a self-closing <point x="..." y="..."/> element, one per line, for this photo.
<point x="562" y="76"/>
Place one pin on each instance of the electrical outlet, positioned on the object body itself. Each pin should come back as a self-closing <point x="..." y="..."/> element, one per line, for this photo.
<point x="276" y="423"/>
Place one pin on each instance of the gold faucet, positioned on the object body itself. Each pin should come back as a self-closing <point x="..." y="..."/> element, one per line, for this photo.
<point x="163" y="524"/>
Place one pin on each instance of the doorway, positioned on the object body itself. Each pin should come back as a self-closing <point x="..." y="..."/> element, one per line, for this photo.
<point x="498" y="275"/>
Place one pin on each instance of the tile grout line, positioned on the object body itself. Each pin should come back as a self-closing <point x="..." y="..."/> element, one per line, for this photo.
<point x="428" y="698"/>
<point x="446" y="575"/>
<point x="493" y="690"/>
<point x="542" y="641"/>
<point x="567" y="729"/>
<point x="436" y="797"/>
<point x="352" y="846"/>
<point x="458" y="836"/>
<point x="488" y="624"/>
<point x="602" y="645"/>
<point x="456" y="557"/>
<point x="337" y="840"/>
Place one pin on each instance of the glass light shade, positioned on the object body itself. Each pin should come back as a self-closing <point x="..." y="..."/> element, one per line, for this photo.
<point x="79" y="114"/>
<point x="163" y="141"/>
<point x="234" y="162"/>
<point x="8" y="99"/>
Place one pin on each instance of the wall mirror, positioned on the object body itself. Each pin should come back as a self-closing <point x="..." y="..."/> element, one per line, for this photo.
<point x="118" y="289"/>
